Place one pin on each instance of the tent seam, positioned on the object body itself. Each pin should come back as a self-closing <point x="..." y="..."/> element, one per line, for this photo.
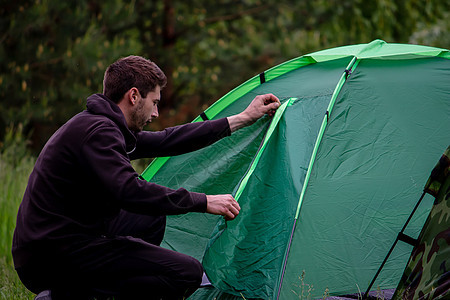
<point x="347" y="72"/>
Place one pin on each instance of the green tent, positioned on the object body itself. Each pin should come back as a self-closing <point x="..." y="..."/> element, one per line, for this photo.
<point x="327" y="183"/>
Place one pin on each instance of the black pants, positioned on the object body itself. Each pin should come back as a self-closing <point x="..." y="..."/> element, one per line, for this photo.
<point x="126" y="264"/>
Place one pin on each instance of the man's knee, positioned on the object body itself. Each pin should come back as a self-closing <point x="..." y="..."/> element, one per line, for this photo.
<point x="192" y="273"/>
<point x="189" y="279"/>
<point x="179" y="283"/>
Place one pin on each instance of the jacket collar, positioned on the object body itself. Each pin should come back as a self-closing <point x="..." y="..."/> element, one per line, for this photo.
<point x="99" y="104"/>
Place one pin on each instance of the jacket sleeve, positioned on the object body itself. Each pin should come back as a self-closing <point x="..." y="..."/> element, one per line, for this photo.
<point x="104" y="154"/>
<point x="180" y="139"/>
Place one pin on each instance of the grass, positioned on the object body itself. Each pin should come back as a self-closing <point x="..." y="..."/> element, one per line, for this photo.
<point x="15" y="166"/>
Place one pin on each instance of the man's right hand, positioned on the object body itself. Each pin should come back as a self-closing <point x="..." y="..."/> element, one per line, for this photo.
<point x="223" y="205"/>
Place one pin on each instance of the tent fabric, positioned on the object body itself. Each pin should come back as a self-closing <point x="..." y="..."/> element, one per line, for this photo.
<point x="361" y="184"/>
<point x="333" y="184"/>
<point x="256" y="228"/>
<point x="378" y="49"/>
<point x="427" y="275"/>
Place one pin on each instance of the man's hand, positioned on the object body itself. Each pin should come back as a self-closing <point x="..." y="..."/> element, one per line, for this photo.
<point x="261" y="105"/>
<point x="223" y="205"/>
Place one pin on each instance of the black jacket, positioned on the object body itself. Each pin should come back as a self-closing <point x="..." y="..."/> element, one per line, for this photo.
<point x="83" y="177"/>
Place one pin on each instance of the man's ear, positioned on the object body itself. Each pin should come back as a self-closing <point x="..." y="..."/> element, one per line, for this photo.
<point x="132" y="95"/>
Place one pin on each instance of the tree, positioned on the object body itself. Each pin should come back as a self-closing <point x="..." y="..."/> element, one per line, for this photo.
<point x="53" y="53"/>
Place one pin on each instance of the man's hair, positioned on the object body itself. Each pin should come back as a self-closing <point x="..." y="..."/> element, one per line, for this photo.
<point x="129" y="72"/>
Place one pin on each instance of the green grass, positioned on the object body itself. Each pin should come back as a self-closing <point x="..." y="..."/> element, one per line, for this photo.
<point x="15" y="166"/>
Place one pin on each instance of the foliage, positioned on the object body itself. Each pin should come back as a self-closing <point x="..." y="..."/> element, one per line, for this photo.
<point x="15" y="166"/>
<point x="303" y="291"/>
<point x="53" y="53"/>
<point x="10" y="286"/>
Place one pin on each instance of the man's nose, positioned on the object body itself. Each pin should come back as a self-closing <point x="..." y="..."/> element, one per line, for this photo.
<point x="155" y="113"/>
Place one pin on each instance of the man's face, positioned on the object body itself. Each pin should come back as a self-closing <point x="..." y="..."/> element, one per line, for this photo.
<point x="145" y="110"/>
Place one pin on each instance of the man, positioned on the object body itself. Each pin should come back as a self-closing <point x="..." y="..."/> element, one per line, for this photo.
<point x="88" y="225"/>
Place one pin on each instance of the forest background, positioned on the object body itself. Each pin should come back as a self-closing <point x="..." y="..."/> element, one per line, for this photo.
<point x="53" y="55"/>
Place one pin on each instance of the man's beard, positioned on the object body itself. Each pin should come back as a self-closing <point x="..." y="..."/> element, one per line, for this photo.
<point x="138" y="117"/>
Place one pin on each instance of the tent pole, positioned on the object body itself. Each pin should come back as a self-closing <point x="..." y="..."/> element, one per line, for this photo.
<point x="284" y="263"/>
<point x="350" y="67"/>
<point x="402" y="237"/>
